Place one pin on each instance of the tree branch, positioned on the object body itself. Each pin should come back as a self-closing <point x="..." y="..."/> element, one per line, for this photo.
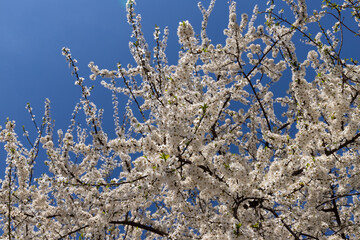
<point x="347" y="142"/>
<point x="142" y="226"/>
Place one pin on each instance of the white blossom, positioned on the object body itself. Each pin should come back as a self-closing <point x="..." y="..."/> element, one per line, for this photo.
<point x="212" y="147"/>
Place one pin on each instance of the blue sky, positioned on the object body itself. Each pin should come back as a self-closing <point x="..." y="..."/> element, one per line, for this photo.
<point x="33" y="33"/>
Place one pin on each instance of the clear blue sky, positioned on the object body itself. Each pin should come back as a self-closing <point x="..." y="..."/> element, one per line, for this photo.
<point x="33" y="33"/>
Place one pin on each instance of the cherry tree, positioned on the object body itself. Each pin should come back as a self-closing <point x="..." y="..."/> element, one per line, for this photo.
<point x="207" y="148"/>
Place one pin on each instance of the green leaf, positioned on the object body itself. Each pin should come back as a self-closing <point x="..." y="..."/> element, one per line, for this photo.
<point x="164" y="156"/>
<point x="204" y="107"/>
<point x="256" y="225"/>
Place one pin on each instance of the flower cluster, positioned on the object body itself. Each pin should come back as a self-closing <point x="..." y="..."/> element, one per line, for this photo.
<point x="185" y="33"/>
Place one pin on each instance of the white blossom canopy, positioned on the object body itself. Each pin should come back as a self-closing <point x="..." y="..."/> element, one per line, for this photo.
<point x="205" y="151"/>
